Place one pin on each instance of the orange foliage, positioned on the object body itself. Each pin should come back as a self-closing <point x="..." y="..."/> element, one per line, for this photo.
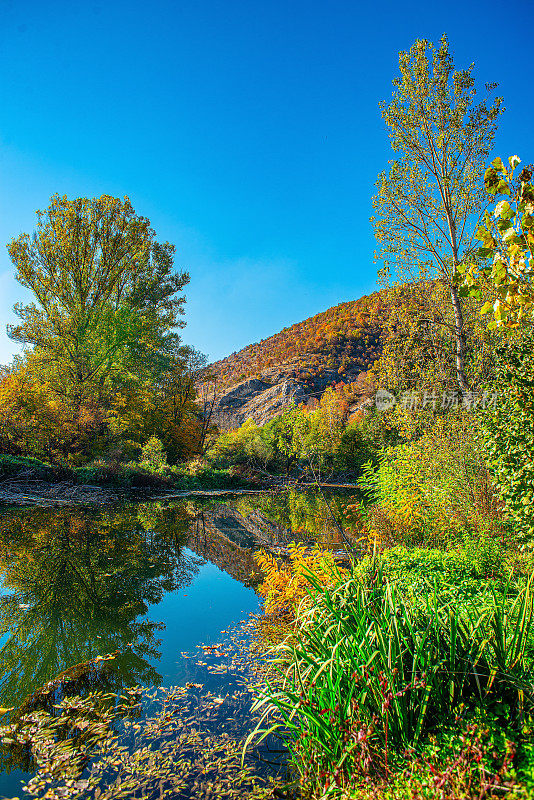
<point x="286" y="585"/>
<point x="345" y="339"/>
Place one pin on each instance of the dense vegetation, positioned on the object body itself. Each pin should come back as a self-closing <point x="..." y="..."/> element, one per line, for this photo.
<point x="406" y="671"/>
<point x="344" y="339"/>
<point x="104" y="368"/>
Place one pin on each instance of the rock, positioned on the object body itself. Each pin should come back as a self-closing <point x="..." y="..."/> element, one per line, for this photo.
<point x="258" y="400"/>
<point x="274" y="390"/>
<point x="240" y="394"/>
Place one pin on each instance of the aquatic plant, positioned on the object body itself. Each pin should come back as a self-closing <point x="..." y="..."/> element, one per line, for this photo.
<point x="179" y="742"/>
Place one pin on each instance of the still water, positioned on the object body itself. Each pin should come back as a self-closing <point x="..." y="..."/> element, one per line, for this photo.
<point x="150" y="581"/>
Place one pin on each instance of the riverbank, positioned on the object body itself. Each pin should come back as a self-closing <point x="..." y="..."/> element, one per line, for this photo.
<point x="163" y="587"/>
<point x="27" y="482"/>
<point x="404" y="676"/>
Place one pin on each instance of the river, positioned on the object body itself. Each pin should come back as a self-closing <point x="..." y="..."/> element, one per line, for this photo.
<point x="162" y="585"/>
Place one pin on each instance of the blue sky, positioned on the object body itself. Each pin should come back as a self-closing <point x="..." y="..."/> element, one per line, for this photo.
<point x="248" y="132"/>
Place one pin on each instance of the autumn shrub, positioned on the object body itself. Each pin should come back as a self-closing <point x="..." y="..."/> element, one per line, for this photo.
<point x="473" y="762"/>
<point x="248" y="444"/>
<point x="153" y="456"/>
<point x="432" y="489"/>
<point x="360" y="443"/>
<point x="364" y="438"/>
<point x="125" y="476"/>
<point x="509" y="433"/>
<point x="287" y="583"/>
<point x="195" y="467"/>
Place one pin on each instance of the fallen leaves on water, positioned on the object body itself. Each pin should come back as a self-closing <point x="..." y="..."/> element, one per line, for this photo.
<point x="180" y="742"/>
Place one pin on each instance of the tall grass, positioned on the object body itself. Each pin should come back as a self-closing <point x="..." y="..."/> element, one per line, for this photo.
<point x="371" y="674"/>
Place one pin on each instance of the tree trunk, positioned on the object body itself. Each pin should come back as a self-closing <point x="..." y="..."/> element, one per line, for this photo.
<point x="460" y="340"/>
<point x="457" y="306"/>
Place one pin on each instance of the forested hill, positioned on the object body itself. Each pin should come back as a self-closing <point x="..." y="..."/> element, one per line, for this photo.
<point x="345" y="339"/>
<point x="332" y="347"/>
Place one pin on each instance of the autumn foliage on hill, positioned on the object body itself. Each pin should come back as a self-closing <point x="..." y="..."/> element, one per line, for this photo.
<point x="343" y="340"/>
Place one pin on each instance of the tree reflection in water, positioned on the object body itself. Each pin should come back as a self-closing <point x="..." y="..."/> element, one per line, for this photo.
<point x="78" y="584"/>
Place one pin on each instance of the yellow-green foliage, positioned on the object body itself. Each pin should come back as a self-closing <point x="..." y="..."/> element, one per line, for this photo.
<point x="507" y="250"/>
<point x="307" y="514"/>
<point x="247" y="444"/>
<point x="321" y="440"/>
<point x="431" y="489"/>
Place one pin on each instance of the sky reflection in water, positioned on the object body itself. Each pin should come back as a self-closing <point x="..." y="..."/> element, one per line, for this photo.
<point x="151" y="580"/>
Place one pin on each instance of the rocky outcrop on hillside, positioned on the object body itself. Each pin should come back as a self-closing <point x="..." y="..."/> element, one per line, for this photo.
<point x="296" y="365"/>
<point x="256" y="400"/>
<point x="273" y="392"/>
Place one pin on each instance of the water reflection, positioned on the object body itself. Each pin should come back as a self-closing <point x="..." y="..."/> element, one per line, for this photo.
<point x="78" y="584"/>
<point x="274" y="520"/>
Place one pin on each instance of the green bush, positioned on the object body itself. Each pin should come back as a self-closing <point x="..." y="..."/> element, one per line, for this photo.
<point x="249" y="444"/>
<point x="298" y="438"/>
<point x="433" y="488"/>
<point x="480" y="558"/>
<point x="153" y="456"/>
<point x="509" y="433"/>
<point x="13" y="466"/>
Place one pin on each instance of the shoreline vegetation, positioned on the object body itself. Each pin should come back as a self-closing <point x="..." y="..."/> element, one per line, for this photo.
<point x="28" y="481"/>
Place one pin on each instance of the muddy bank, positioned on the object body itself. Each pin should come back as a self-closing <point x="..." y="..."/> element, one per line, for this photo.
<point x="21" y="491"/>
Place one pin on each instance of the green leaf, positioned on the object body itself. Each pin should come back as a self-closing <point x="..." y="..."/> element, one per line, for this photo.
<point x="504" y="210"/>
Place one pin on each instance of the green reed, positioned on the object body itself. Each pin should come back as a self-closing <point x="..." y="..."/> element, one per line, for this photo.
<point x="373" y="671"/>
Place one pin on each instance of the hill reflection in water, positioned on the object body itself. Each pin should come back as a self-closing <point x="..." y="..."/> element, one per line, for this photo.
<point x="147" y="581"/>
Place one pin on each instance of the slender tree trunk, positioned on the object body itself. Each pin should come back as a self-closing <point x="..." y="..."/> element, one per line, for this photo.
<point x="460" y="340"/>
<point x="457" y="307"/>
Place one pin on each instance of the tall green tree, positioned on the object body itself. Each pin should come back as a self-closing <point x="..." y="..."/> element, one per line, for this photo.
<point x="428" y="206"/>
<point x="107" y="304"/>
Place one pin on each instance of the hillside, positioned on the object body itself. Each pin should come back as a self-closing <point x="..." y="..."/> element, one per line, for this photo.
<point x="335" y="346"/>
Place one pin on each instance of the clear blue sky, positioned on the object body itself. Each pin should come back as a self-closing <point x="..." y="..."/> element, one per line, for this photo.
<point x="248" y="132"/>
